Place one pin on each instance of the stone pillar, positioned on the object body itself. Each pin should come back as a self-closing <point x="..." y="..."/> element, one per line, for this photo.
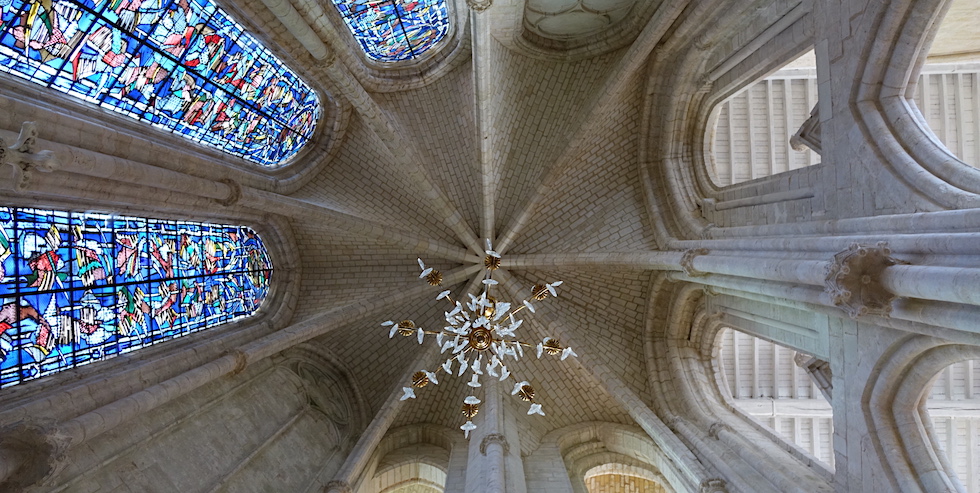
<point x="486" y="469"/>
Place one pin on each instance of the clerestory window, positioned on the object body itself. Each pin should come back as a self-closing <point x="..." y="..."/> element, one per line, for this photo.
<point x="395" y="30"/>
<point x="183" y="66"/>
<point x="82" y="287"/>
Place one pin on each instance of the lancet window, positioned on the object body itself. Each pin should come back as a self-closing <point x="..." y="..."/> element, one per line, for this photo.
<point x="183" y="66"/>
<point x="395" y="30"/>
<point x="82" y="287"/>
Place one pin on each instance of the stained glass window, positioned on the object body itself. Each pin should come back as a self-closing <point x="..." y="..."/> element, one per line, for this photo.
<point x="181" y="65"/>
<point x="395" y="30"/>
<point x="82" y="287"/>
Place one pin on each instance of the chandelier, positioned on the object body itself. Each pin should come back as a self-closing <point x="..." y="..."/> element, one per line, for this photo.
<point x="481" y="338"/>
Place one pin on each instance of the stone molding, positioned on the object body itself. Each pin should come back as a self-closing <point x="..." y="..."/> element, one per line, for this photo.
<point x="853" y="280"/>
<point x="494" y="438"/>
<point x="713" y="485"/>
<point x="337" y="486"/>
<point x="241" y="360"/>
<point x="687" y="261"/>
<point x="714" y="431"/>
<point x="38" y="449"/>
<point x="479" y="5"/>
<point x="234" y="193"/>
<point x="24" y="156"/>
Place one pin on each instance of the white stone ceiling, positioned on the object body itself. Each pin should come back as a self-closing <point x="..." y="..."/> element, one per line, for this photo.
<point x="581" y="197"/>
<point x="539" y="153"/>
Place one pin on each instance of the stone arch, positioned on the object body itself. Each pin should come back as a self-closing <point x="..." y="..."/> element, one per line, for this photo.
<point x="615" y="477"/>
<point x="681" y="342"/>
<point x="328" y="389"/>
<point x="894" y="405"/>
<point x="416" y="456"/>
<point x="587" y="446"/>
<point x="881" y="98"/>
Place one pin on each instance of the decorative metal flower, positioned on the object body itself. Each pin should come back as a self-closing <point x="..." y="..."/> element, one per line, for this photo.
<point x="481" y="335"/>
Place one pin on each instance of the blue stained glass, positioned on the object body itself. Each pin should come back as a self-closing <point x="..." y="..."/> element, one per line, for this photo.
<point x="77" y="288"/>
<point x="395" y="30"/>
<point x="180" y="65"/>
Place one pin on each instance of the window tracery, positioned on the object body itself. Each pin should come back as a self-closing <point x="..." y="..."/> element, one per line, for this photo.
<point x="183" y="66"/>
<point x="395" y="30"/>
<point x="82" y="287"/>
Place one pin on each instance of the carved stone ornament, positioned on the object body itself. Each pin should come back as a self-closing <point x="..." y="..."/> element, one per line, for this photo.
<point x="687" y="261"/>
<point x="336" y="486"/>
<point x="819" y="371"/>
<point x="479" y="5"/>
<point x="716" y="428"/>
<point x="809" y="133"/>
<point x="494" y="438"/>
<point x="241" y="360"/>
<point x="854" y="280"/>
<point x="234" y="193"/>
<point x="24" y="156"/>
<point x="714" y="486"/>
<point x="39" y="450"/>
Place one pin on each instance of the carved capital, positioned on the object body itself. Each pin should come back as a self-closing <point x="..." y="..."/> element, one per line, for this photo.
<point x="494" y="438"/>
<point x="706" y="231"/>
<point x="234" y="193"/>
<point x="337" y="486"/>
<point x="687" y="261"/>
<point x="854" y="280"/>
<point x="241" y="360"/>
<point x="716" y="428"/>
<point x="330" y="58"/>
<point x="24" y="156"/>
<point x="33" y="451"/>
<point x="714" y="486"/>
<point x="703" y="43"/>
<point x="479" y="5"/>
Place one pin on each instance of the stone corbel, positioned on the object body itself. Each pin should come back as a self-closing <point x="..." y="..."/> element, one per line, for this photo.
<point x="809" y="133"/>
<point x="853" y="280"/>
<point x="25" y="158"/>
<point x="479" y="5"/>
<point x="819" y="371"/>
<point x="29" y="453"/>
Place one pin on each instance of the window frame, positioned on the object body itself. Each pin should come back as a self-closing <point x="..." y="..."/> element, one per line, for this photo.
<point x="57" y="100"/>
